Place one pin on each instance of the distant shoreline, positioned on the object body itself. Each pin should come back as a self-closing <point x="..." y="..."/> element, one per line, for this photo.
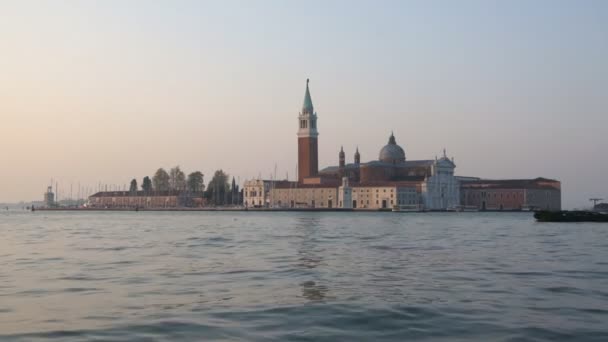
<point x="270" y="210"/>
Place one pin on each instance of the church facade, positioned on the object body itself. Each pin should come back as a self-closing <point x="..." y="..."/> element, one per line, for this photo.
<point x="387" y="182"/>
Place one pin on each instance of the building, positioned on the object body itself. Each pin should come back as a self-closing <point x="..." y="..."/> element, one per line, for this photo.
<point x="308" y="150"/>
<point x="511" y="194"/>
<point x="256" y="192"/>
<point x="601" y="207"/>
<point x="429" y="184"/>
<point x="49" y="197"/>
<point x="390" y="181"/>
<point x="143" y="199"/>
<point x="378" y="196"/>
<point x="294" y="195"/>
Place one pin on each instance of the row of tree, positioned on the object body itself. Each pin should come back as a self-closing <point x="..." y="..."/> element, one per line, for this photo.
<point x="219" y="191"/>
<point x="175" y="180"/>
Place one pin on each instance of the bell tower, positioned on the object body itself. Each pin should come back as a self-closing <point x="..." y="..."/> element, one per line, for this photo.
<point x="308" y="152"/>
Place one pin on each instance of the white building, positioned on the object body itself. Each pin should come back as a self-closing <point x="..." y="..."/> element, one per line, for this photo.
<point x="255" y="193"/>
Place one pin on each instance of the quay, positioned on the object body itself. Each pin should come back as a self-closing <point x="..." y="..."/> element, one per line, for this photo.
<point x="199" y="209"/>
<point x="281" y="209"/>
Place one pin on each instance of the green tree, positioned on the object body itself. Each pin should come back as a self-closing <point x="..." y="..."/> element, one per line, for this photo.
<point x="161" y="180"/>
<point x="218" y="188"/>
<point x="146" y="184"/>
<point x="133" y="187"/>
<point x="195" y="182"/>
<point x="177" y="179"/>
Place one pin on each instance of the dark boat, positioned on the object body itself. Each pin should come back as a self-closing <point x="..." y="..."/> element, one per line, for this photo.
<point x="570" y="216"/>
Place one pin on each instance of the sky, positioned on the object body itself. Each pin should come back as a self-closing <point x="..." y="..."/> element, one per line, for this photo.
<point x="100" y="92"/>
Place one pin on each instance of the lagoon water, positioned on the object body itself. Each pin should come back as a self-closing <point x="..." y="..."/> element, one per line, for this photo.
<point x="154" y="276"/>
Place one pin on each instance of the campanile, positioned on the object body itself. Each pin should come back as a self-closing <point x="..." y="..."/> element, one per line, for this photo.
<point x="308" y="152"/>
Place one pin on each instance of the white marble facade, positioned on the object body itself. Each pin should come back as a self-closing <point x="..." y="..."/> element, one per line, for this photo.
<point x="441" y="190"/>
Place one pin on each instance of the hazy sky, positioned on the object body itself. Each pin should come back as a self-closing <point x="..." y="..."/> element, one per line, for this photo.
<point x="105" y="91"/>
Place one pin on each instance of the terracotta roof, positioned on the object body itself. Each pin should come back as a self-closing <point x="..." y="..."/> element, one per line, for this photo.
<point x="406" y="164"/>
<point x="405" y="182"/>
<point x="296" y="185"/>
<point x="400" y="183"/>
<point x="143" y="193"/>
<point x="536" y="183"/>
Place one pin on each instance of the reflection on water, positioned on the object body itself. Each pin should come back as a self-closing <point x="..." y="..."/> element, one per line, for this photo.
<point x="313" y="291"/>
<point x="300" y="276"/>
<point x="310" y="257"/>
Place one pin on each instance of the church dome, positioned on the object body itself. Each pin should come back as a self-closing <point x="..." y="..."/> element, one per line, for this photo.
<point x="392" y="153"/>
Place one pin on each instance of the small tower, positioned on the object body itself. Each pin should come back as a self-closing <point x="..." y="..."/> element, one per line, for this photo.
<point x="49" y="197"/>
<point x="357" y="157"/>
<point x="341" y="156"/>
<point x="308" y="155"/>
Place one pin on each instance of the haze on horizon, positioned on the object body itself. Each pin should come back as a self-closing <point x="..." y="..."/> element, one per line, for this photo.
<point x="108" y="91"/>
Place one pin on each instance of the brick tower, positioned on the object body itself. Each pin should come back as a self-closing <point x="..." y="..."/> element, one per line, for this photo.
<point x="308" y="152"/>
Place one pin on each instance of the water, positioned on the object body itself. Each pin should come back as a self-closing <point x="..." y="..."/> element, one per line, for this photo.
<point x="151" y="276"/>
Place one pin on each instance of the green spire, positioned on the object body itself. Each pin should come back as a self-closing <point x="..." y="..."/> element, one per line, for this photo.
<point x="307" y="107"/>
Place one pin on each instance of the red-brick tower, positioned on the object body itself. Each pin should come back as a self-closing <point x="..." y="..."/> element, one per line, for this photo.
<point x="308" y="151"/>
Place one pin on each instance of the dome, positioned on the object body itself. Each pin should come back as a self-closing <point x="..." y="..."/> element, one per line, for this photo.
<point x="392" y="153"/>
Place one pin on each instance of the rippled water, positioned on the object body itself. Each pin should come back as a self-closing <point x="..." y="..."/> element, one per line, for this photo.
<point x="300" y="276"/>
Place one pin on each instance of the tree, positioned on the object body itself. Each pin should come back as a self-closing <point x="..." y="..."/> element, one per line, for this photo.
<point x="146" y="184"/>
<point x="195" y="182"/>
<point x="161" y="180"/>
<point x="177" y="179"/>
<point x="217" y="188"/>
<point x="133" y="187"/>
<point x="233" y="192"/>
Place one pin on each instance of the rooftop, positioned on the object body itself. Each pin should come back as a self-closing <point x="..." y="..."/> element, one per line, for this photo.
<point x="406" y="164"/>
<point x="144" y="193"/>
<point x="538" y="183"/>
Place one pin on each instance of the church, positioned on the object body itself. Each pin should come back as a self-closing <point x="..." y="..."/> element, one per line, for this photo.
<point x="391" y="181"/>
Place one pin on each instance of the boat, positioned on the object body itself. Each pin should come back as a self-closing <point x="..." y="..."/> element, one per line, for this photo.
<point x="569" y="216"/>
